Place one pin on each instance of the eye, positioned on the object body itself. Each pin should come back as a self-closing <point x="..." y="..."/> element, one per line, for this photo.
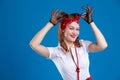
<point x="71" y="28"/>
<point x="77" y="29"/>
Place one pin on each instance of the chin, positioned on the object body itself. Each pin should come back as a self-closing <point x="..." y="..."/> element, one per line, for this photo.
<point x="72" y="40"/>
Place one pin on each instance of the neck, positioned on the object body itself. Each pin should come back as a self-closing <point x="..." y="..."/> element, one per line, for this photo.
<point x="69" y="44"/>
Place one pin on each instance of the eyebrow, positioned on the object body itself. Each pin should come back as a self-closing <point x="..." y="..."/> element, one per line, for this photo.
<point x="73" y="26"/>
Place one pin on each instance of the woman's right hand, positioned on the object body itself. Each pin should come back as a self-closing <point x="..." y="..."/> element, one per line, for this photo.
<point x="55" y="18"/>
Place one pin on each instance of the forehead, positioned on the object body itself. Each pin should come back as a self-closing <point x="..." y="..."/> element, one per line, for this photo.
<point x="73" y="24"/>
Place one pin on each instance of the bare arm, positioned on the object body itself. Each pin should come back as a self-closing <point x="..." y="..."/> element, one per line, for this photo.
<point x="35" y="43"/>
<point x="100" y="43"/>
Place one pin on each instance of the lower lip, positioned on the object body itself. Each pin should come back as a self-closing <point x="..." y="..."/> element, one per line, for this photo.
<point x="73" y="36"/>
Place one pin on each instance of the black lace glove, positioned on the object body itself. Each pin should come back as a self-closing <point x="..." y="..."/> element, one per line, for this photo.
<point x="87" y="16"/>
<point x="55" y="18"/>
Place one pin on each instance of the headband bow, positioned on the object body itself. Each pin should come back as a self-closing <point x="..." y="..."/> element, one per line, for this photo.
<point x="67" y="21"/>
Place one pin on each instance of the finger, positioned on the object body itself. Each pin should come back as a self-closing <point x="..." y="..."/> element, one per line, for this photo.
<point x="88" y="8"/>
<point x="57" y="12"/>
<point x="82" y="16"/>
<point x="91" y="11"/>
<point x="53" y="12"/>
<point x="84" y="13"/>
<point x="84" y="7"/>
<point x="60" y="19"/>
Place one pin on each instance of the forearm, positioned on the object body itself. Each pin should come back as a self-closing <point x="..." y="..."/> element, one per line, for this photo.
<point x="100" y="39"/>
<point x="37" y="39"/>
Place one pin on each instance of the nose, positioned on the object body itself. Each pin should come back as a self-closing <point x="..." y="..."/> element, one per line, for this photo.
<point x="75" y="32"/>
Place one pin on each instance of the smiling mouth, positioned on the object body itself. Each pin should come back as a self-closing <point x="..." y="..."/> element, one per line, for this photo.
<point x="73" y="36"/>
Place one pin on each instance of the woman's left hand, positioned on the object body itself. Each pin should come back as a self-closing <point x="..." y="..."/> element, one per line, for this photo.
<point x="87" y="16"/>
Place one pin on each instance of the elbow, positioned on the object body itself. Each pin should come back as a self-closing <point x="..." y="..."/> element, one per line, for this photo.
<point x="101" y="47"/>
<point x="104" y="46"/>
<point x="32" y="45"/>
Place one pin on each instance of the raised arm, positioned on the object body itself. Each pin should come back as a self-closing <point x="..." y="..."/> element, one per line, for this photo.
<point x="35" y="43"/>
<point x="100" y="43"/>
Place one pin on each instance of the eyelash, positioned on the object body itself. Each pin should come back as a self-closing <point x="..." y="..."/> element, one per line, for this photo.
<point x="73" y="28"/>
<point x="77" y="29"/>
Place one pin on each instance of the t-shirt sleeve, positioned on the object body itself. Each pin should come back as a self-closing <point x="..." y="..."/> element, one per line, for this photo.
<point x="85" y="44"/>
<point x="52" y="51"/>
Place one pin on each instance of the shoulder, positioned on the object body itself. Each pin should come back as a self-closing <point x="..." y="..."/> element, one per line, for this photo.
<point x="55" y="51"/>
<point x="84" y="42"/>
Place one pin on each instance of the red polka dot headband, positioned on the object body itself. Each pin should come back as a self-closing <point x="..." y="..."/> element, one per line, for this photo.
<point x="67" y="21"/>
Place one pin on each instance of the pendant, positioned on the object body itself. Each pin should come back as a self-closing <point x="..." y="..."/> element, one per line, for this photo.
<point x="77" y="69"/>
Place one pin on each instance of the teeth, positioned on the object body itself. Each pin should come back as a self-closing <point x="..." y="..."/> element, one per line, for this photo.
<point x="73" y="36"/>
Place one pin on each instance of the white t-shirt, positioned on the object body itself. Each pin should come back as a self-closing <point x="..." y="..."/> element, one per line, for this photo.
<point x="65" y="63"/>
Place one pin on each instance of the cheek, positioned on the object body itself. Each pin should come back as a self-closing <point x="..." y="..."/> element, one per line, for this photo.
<point x="67" y="33"/>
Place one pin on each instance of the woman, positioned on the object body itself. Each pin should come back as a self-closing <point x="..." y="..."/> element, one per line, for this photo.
<point x="71" y="55"/>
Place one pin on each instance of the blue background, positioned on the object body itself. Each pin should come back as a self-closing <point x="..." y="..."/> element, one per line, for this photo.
<point x="20" y="20"/>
